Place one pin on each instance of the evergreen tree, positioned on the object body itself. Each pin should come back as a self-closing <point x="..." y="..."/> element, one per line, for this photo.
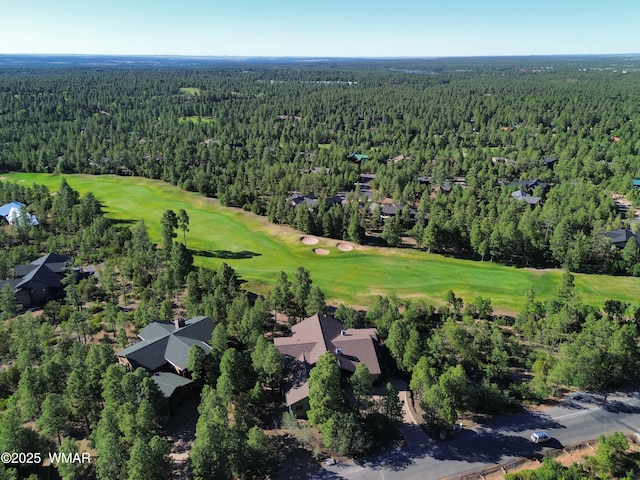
<point x="168" y="224"/>
<point x="9" y="305"/>
<point x="392" y="231"/>
<point x="183" y="223"/>
<point x="150" y="459"/>
<point x="325" y="392"/>
<point x="362" y="384"/>
<point x="54" y="417"/>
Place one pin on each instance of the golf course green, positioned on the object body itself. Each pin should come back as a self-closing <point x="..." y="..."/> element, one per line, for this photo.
<point x="258" y="250"/>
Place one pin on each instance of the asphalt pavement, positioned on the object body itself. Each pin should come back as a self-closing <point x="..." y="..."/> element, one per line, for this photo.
<point x="500" y="440"/>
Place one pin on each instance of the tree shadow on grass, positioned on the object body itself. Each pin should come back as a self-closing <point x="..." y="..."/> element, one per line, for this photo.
<point x="119" y="221"/>
<point x="225" y="254"/>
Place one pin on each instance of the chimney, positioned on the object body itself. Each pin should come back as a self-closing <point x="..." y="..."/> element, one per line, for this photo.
<point x="343" y="331"/>
<point x="179" y="323"/>
<point x="338" y="350"/>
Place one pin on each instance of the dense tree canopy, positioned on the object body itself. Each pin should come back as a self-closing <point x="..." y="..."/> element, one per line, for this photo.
<point x="446" y="140"/>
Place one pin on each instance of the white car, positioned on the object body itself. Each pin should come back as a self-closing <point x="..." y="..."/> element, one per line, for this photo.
<point x="540" y="437"/>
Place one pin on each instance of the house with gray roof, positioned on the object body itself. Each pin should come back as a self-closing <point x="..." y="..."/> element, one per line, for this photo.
<point x="41" y="280"/>
<point x="174" y="388"/>
<point x="530" y="185"/>
<point x="525" y="197"/>
<point x="164" y="346"/>
<point x="621" y="236"/>
<point x="315" y="336"/>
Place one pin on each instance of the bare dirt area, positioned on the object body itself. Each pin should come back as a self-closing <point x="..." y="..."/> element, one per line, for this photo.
<point x="309" y="240"/>
<point x="344" y="247"/>
<point x="321" y="251"/>
<point x="181" y="433"/>
<point x="624" y="206"/>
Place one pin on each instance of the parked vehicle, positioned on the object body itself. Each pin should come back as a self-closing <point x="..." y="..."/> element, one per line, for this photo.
<point x="540" y="437"/>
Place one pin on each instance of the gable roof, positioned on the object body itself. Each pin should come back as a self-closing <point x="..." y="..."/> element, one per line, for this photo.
<point x="525" y="197"/>
<point x="358" y="157"/>
<point x="164" y="342"/>
<point x="6" y="209"/>
<point x="621" y="236"/>
<point x="45" y="272"/>
<point x="315" y="336"/>
<point x="530" y="184"/>
<point x="319" y="334"/>
<point x="297" y="199"/>
<point x="169" y="382"/>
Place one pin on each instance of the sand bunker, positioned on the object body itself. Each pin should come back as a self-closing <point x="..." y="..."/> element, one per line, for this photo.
<point x="320" y="251"/>
<point x="309" y="240"/>
<point x="345" y="247"/>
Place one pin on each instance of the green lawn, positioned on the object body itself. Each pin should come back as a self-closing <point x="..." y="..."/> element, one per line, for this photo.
<point x="190" y="90"/>
<point x="196" y="119"/>
<point x="258" y="250"/>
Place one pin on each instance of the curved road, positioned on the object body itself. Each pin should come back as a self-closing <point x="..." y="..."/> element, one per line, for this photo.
<point x="501" y="440"/>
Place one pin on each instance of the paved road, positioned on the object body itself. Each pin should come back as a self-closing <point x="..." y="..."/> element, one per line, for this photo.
<point x="499" y="441"/>
<point x="414" y="437"/>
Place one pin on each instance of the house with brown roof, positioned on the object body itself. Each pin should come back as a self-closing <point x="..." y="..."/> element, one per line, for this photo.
<point x="315" y="336"/>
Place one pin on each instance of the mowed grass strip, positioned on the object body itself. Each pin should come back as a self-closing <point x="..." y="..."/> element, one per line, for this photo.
<point x="190" y="90"/>
<point x="258" y="250"/>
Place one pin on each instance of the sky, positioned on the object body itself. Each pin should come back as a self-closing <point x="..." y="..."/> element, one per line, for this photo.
<point x="313" y="28"/>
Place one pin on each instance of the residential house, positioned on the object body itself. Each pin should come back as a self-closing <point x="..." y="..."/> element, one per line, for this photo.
<point x="13" y="212"/>
<point x="41" y="280"/>
<point x="505" y="160"/>
<point x="311" y="200"/>
<point x="357" y="157"/>
<point x="296" y="199"/>
<point x="549" y="162"/>
<point x="399" y="158"/>
<point x="174" y="388"/>
<point x="165" y="346"/>
<point x="525" y="197"/>
<point x="315" y="336"/>
<point x="529" y="185"/>
<point x="621" y="236"/>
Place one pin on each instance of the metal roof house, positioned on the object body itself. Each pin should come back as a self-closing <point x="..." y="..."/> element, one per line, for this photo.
<point x="14" y="212"/>
<point x="39" y="281"/>
<point x="165" y="346"/>
<point x="620" y="237"/>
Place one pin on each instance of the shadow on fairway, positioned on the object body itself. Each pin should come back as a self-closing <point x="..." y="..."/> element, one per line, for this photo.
<point x="225" y="254"/>
<point x="120" y="221"/>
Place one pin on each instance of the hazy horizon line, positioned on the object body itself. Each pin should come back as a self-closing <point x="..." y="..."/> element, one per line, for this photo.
<point x="319" y="57"/>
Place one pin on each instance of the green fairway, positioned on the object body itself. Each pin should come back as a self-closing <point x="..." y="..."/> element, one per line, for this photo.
<point x="190" y="90"/>
<point x="196" y="119"/>
<point x="258" y="250"/>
